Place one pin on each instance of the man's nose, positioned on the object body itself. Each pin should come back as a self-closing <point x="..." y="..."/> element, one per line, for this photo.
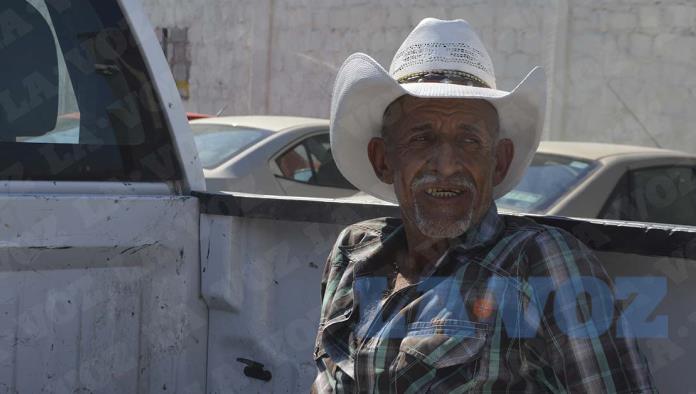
<point x="446" y="160"/>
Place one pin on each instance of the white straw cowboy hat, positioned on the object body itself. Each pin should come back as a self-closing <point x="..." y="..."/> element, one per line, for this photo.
<point x="450" y="53"/>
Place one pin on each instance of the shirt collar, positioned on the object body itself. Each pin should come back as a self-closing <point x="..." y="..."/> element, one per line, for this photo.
<point x="484" y="232"/>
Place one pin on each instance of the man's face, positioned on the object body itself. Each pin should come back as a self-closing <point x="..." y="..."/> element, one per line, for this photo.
<point x="443" y="158"/>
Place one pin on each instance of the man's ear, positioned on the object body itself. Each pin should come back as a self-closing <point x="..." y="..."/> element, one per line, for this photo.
<point x="377" y="152"/>
<point x="504" y="152"/>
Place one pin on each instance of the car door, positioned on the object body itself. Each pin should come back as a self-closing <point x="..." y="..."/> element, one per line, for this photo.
<point x="99" y="246"/>
<point x="307" y="168"/>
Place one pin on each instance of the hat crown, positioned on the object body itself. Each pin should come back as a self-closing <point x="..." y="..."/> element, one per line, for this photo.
<point x="438" y="45"/>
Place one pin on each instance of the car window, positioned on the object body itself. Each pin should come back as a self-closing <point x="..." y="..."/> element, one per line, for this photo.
<point x="219" y="143"/>
<point x="295" y="164"/>
<point x="655" y="195"/>
<point x="312" y="163"/>
<point x="618" y="205"/>
<point x="75" y="101"/>
<point x="545" y="181"/>
<point x="326" y="171"/>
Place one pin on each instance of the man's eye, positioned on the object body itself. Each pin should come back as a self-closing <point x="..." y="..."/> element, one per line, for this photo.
<point x="419" y="138"/>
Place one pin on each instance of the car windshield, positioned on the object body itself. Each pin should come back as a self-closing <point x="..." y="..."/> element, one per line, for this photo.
<point x="219" y="143"/>
<point x="545" y="181"/>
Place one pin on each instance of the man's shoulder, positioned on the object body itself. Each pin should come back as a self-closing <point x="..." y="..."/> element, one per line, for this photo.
<point x="367" y="230"/>
<point x="548" y="249"/>
<point x="361" y="238"/>
<point x="522" y="227"/>
<point x="537" y="235"/>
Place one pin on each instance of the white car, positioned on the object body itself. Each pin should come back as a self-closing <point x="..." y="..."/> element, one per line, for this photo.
<point x="607" y="181"/>
<point x="274" y="155"/>
<point x="292" y="156"/>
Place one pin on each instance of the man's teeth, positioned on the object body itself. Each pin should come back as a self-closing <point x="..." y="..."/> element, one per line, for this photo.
<point x="443" y="192"/>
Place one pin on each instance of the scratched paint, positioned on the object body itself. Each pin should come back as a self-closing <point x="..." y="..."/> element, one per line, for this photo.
<point x="101" y="294"/>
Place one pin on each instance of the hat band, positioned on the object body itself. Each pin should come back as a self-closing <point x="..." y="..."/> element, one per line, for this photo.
<point x="445" y="76"/>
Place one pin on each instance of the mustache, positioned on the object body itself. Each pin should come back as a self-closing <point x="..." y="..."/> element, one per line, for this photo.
<point x="459" y="181"/>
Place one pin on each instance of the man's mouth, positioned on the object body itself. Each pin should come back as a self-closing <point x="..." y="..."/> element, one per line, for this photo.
<point x="444" y="193"/>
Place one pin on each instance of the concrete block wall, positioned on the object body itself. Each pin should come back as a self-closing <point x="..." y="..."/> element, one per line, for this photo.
<point x="222" y="40"/>
<point x="630" y="72"/>
<point x="309" y="46"/>
<point x="619" y="71"/>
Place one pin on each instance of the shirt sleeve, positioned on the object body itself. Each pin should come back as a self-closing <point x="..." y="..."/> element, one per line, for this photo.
<point x="580" y="349"/>
<point x="326" y="381"/>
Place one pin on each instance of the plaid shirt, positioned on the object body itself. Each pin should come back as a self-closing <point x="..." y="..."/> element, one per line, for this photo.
<point x="466" y="326"/>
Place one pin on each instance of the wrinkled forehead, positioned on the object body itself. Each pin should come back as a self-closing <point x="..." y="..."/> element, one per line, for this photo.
<point x="412" y="108"/>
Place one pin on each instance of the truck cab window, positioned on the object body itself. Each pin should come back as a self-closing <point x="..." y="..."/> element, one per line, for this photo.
<point x="76" y="101"/>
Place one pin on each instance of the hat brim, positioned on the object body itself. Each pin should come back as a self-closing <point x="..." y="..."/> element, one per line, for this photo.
<point x="364" y="89"/>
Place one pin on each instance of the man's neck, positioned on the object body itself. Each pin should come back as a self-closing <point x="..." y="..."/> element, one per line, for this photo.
<point x="422" y="253"/>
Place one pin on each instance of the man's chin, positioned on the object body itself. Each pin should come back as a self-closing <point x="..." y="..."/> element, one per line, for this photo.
<point x="441" y="223"/>
<point x="443" y="229"/>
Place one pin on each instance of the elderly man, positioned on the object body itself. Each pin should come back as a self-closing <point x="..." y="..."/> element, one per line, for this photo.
<point x="453" y="297"/>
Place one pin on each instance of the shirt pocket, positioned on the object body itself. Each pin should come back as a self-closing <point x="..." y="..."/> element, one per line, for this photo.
<point x="438" y="350"/>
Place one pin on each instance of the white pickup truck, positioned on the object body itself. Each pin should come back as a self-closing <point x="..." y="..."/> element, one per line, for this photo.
<point x="120" y="274"/>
